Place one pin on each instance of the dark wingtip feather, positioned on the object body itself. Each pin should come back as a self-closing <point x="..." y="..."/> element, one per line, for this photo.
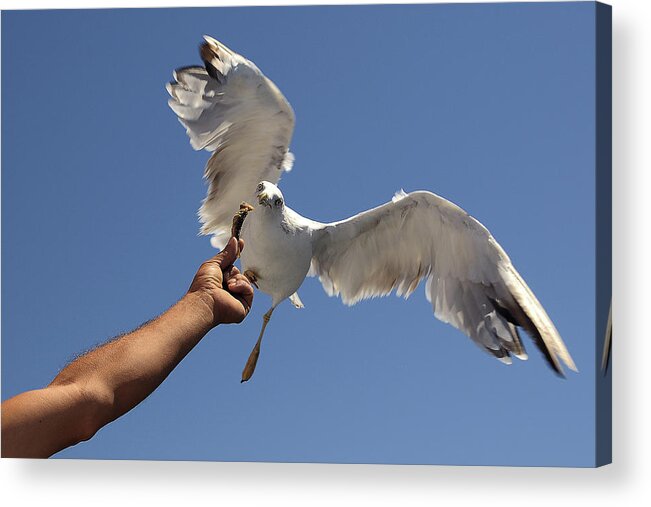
<point x="517" y="316"/>
<point x="208" y="54"/>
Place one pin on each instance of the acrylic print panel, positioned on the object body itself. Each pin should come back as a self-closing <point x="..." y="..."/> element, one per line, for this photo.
<point x="491" y="106"/>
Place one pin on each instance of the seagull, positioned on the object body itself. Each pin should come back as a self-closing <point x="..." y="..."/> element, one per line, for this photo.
<point x="231" y="109"/>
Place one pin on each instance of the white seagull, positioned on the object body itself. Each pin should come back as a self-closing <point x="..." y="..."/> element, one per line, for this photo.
<point x="232" y="110"/>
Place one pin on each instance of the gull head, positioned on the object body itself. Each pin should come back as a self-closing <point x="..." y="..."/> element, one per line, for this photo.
<point x="269" y="196"/>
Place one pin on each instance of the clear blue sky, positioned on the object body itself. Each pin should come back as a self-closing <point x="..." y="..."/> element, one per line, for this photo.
<point x="491" y="106"/>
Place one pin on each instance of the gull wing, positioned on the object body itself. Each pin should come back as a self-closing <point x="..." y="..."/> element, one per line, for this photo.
<point x="232" y="110"/>
<point x="608" y="339"/>
<point x="471" y="282"/>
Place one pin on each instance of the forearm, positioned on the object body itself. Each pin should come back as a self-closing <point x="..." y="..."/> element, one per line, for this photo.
<point x="120" y="374"/>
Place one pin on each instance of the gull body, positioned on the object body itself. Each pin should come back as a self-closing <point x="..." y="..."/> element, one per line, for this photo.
<point x="278" y="245"/>
<point x="231" y="109"/>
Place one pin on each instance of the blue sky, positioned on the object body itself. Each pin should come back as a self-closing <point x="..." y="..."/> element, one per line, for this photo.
<point x="491" y="106"/>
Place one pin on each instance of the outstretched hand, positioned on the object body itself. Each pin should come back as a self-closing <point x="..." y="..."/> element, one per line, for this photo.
<point x="223" y="288"/>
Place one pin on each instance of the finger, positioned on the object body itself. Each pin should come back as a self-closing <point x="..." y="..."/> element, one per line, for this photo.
<point x="245" y="300"/>
<point x="239" y="277"/>
<point x="228" y="255"/>
<point x="236" y="278"/>
<point x="230" y="274"/>
<point x="242" y="291"/>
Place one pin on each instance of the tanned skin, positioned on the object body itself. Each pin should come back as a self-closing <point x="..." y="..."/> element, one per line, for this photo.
<point x="107" y="382"/>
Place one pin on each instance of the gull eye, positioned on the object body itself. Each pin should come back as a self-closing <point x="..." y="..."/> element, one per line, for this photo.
<point x="260" y="187"/>
<point x="278" y="202"/>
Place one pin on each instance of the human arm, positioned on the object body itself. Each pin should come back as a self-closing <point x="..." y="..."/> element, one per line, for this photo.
<point x="107" y="382"/>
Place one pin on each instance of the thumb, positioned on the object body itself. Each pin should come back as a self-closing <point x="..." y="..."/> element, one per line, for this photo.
<point x="229" y="254"/>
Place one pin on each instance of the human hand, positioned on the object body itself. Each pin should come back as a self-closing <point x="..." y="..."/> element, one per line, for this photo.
<point x="220" y="285"/>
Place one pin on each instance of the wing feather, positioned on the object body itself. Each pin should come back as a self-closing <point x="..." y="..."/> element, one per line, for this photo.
<point x="232" y="110"/>
<point x="470" y="281"/>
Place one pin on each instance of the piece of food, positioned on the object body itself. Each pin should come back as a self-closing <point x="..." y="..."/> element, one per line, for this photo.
<point x="238" y="219"/>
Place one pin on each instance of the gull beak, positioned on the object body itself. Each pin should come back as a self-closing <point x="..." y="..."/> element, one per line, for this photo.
<point x="263" y="198"/>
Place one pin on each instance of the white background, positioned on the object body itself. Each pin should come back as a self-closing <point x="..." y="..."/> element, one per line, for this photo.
<point x="626" y="482"/>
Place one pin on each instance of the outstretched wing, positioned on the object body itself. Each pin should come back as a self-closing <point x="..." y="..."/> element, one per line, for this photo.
<point x="471" y="282"/>
<point x="231" y="109"/>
